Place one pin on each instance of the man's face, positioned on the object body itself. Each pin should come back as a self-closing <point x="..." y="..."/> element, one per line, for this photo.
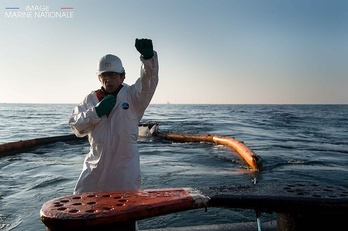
<point x="111" y="80"/>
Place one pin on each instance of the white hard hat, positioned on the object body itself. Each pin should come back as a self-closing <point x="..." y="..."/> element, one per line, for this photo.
<point x="110" y="63"/>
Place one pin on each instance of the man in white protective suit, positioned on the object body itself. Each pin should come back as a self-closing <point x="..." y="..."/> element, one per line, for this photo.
<point x="110" y="117"/>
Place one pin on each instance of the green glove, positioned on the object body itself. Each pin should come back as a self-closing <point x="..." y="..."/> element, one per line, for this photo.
<point x="145" y="48"/>
<point x="106" y="105"/>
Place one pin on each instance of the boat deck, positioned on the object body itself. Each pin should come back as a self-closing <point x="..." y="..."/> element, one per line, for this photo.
<point x="243" y="226"/>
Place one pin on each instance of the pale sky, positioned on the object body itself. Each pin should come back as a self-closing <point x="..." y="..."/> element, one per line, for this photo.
<point x="210" y="51"/>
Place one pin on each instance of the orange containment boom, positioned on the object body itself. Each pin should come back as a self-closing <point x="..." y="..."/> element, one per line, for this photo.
<point x="253" y="160"/>
<point x="92" y="211"/>
<point x="24" y="145"/>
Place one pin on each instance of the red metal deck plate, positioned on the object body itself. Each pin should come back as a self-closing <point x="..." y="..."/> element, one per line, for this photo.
<point x="90" y="209"/>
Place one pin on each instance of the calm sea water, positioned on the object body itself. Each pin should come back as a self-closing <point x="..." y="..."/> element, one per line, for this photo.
<point x="296" y="143"/>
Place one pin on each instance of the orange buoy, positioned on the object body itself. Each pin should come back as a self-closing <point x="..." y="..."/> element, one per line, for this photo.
<point x="253" y="160"/>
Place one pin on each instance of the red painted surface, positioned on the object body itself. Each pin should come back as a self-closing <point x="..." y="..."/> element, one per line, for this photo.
<point x="93" y="209"/>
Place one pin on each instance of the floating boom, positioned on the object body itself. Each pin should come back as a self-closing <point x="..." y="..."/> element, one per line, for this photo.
<point x="253" y="160"/>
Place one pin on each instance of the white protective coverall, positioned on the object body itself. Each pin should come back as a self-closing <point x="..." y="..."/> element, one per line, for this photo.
<point x="113" y="161"/>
